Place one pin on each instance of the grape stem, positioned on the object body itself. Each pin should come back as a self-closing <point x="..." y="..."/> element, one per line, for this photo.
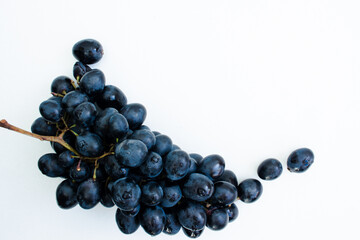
<point x="58" y="139"/>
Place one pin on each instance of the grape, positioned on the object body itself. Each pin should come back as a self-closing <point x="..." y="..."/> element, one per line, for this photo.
<point x="113" y="168"/>
<point x="192" y="216"/>
<point x="51" y="110"/>
<point x="198" y="187"/>
<point x="79" y="172"/>
<point x="224" y="193"/>
<point x="106" y="199"/>
<point x="118" y="126"/>
<point x="80" y="69"/>
<point x="228" y="176"/>
<point x="88" y="51"/>
<point x="177" y="165"/>
<point x="126" y="223"/>
<point x="217" y="219"/>
<point x="132" y="213"/>
<point x="300" y="160"/>
<point x="153" y="220"/>
<point x="270" y="169"/>
<point x="156" y="133"/>
<point x="89" y="145"/>
<point x="249" y="190"/>
<point x="151" y="193"/>
<point x="197" y="157"/>
<point x="93" y="82"/>
<point x="85" y="114"/>
<point x="193" y="166"/>
<point x="49" y="166"/>
<point x="172" y="195"/>
<point x="212" y="166"/>
<point x="112" y="97"/>
<point x="131" y="152"/>
<point x="43" y="127"/>
<point x="101" y="127"/>
<point x="135" y="113"/>
<point x="61" y="85"/>
<point x="66" y="159"/>
<point x="233" y="212"/>
<point x="172" y="225"/>
<point x="73" y="99"/>
<point x="126" y="193"/>
<point x="163" y="144"/>
<point x="192" y="233"/>
<point x="152" y="165"/>
<point x="88" y="194"/>
<point x="146" y="136"/>
<point x="66" y="194"/>
<point x="174" y="147"/>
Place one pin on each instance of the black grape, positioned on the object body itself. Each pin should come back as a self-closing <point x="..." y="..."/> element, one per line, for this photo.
<point x="66" y="194"/>
<point x="88" y="194"/>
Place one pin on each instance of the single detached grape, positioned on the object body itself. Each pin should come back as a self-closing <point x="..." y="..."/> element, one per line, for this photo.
<point x="249" y="190"/>
<point x="300" y="160"/>
<point x="88" y="51"/>
<point x="270" y="169"/>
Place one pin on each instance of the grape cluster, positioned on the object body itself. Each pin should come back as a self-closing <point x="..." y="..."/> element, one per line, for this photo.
<point x="105" y="154"/>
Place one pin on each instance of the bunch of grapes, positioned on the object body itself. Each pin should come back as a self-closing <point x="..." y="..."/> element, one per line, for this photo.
<point x="106" y="155"/>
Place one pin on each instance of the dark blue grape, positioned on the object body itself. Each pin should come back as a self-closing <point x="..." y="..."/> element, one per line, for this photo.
<point x="79" y="172"/>
<point x="126" y="193"/>
<point x="85" y="114"/>
<point x="233" y="212"/>
<point x="197" y="157"/>
<point x="135" y="113"/>
<point x="89" y="145"/>
<point x="156" y="133"/>
<point x="198" y="187"/>
<point x="270" y="169"/>
<point x="106" y="199"/>
<point x="43" y="127"/>
<point x="66" y="159"/>
<point x="88" y="194"/>
<point x="62" y="85"/>
<point x="172" y="225"/>
<point x="56" y="99"/>
<point x="192" y="216"/>
<point x="93" y="82"/>
<point x="153" y="220"/>
<point x="151" y="193"/>
<point x="49" y="166"/>
<point x="88" y="51"/>
<point x="191" y="233"/>
<point x="177" y="165"/>
<point x="144" y="127"/>
<point x="126" y="224"/>
<point x="132" y="213"/>
<point x="131" y="152"/>
<point x="249" y="190"/>
<point x="175" y="147"/>
<point x="112" y="97"/>
<point x="300" y="160"/>
<point x="193" y="166"/>
<point x="80" y="69"/>
<point x="101" y="127"/>
<point x="69" y="138"/>
<point x="152" y="166"/>
<point x="172" y="195"/>
<point x="163" y="144"/>
<point x="73" y="99"/>
<point x="146" y="136"/>
<point x="118" y="126"/>
<point x="224" y="193"/>
<point x="217" y="219"/>
<point x="212" y="166"/>
<point x="66" y="194"/>
<point x="228" y="176"/>
<point x="51" y="110"/>
<point x="113" y="168"/>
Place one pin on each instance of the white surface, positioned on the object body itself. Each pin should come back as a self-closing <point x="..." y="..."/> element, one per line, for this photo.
<point x="245" y="79"/>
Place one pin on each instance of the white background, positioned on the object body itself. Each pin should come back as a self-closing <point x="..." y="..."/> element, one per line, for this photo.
<point x="248" y="80"/>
